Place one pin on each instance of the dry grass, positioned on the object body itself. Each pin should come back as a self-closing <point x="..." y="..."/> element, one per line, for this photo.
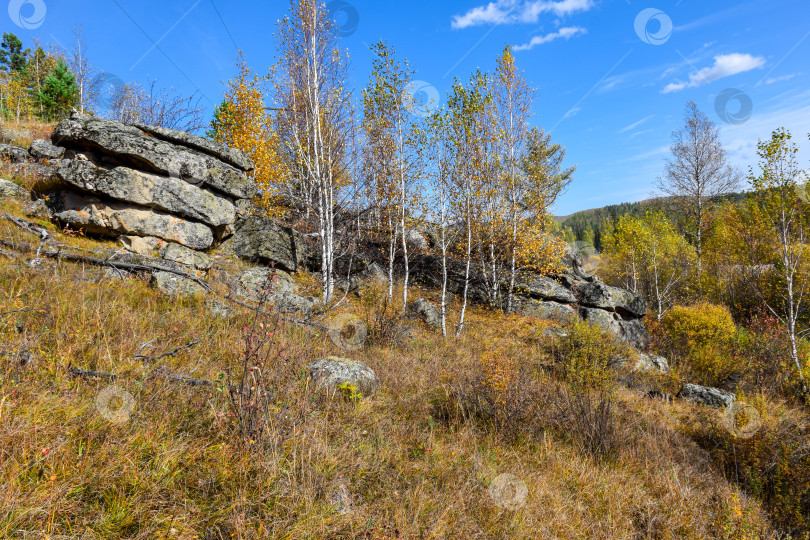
<point x="175" y="468"/>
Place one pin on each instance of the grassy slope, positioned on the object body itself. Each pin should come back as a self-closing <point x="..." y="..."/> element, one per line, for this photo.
<point x="177" y="469"/>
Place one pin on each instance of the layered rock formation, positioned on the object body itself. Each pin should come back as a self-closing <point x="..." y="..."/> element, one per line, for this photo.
<point x="145" y="181"/>
<point x="564" y="297"/>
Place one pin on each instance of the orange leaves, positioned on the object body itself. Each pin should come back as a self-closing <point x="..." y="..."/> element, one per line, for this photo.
<point x="242" y="122"/>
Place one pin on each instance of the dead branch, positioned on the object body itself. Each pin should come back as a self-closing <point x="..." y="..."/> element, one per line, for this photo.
<point x="90" y="374"/>
<point x="130" y="267"/>
<point x="30" y="227"/>
<point x="152" y="358"/>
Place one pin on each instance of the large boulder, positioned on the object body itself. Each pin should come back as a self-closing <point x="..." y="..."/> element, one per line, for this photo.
<point x="162" y="193"/>
<point x="416" y="240"/>
<point x="540" y="309"/>
<point x="114" y="219"/>
<point x="597" y="294"/>
<point x="174" y="285"/>
<point x="605" y="320"/>
<point x="261" y="239"/>
<point x="545" y="288"/>
<point x="44" y="149"/>
<point x="276" y="288"/>
<point x="428" y="312"/>
<point x="706" y="395"/>
<point x="333" y="371"/>
<point x="229" y="155"/>
<point x="652" y="363"/>
<point x="185" y="256"/>
<point x="10" y="190"/>
<point x="15" y="154"/>
<point x="129" y="146"/>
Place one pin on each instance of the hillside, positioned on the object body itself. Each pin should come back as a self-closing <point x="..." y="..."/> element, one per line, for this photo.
<point x="137" y="404"/>
<point x="590" y="225"/>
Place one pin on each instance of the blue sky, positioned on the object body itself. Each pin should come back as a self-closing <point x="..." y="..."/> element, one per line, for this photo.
<point x="612" y="76"/>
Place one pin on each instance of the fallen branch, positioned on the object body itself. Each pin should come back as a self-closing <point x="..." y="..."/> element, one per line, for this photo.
<point x="172" y="352"/>
<point x="90" y="374"/>
<point x="176" y="377"/>
<point x="130" y="267"/>
<point x="33" y="228"/>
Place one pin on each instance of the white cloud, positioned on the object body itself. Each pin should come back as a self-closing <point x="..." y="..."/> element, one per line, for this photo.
<point x="780" y="79"/>
<point x="725" y="65"/>
<point x="634" y="125"/>
<point x="518" y="11"/>
<point x="565" y="33"/>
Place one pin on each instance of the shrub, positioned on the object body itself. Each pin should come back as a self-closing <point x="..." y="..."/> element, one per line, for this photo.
<point x="770" y="459"/>
<point x="699" y="325"/>
<point x="585" y="397"/>
<point x="702" y="337"/>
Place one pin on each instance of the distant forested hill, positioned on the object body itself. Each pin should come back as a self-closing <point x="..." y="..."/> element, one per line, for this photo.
<point x="591" y="225"/>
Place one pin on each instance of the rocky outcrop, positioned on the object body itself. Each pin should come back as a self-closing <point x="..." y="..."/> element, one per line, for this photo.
<point x="333" y="371"/>
<point x="158" y="190"/>
<point x="705" y="395"/>
<point x="95" y="216"/>
<point x="276" y="288"/>
<point x="167" y="194"/>
<point x="129" y="146"/>
<point x="652" y="363"/>
<point x="42" y="149"/>
<point x="229" y="155"/>
<point x="15" y="154"/>
<point x="571" y="294"/>
<point x="260" y="239"/>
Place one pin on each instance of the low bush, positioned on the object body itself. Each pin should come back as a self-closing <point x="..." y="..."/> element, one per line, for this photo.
<point x="701" y="341"/>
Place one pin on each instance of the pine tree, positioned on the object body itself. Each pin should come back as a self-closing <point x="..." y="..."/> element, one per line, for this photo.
<point x="13" y="58"/>
<point x="59" y="92"/>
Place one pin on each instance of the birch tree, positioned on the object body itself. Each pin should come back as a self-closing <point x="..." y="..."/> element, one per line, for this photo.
<point x="513" y="98"/>
<point x="394" y="143"/>
<point x="314" y="117"/>
<point x="786" y="217"/>
<point x="466" y="105"/>
<point x="697" y="172"/>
